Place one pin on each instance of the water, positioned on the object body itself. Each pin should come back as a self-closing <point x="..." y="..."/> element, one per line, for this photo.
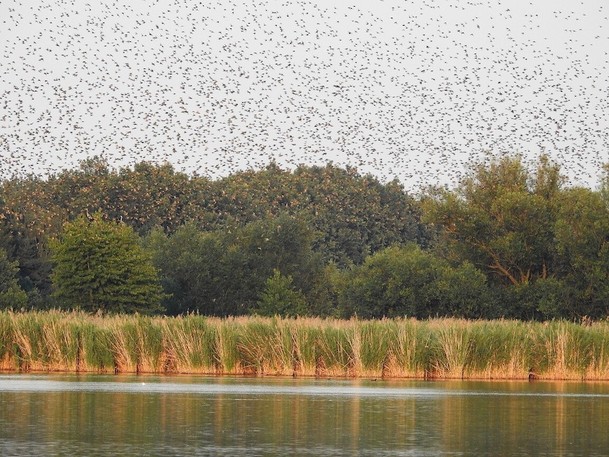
<point x="192" y="416"/>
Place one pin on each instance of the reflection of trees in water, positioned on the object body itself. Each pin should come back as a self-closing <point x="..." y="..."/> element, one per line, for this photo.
<point x="478" y="419"/>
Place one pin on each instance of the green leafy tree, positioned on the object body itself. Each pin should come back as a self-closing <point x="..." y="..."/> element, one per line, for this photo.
<point x="192" y="270"/>
<point x="224" y="272"/>
<point x="355" y="215"/>
<point x="279" y="298"/>
<point x="501" y="219"/>
<point x="545" y="299"/>
<point x="352" y="215"/>
<point x="11" y="294"/>
<point x="407" y="281"/>
<point x="547" y="246"/>
<point x="144" y="196"/>
<point x="28" y="216"/>
<point x="582" y="240"/>
<point x="100" y="265"/>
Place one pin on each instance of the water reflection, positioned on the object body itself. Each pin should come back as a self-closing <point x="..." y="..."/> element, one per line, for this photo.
<point x="228" y="416"/>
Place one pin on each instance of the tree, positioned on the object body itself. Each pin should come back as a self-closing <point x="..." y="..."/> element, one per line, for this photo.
<point x="192" y="271"/>
<point x="99" y="265"/>
<point x="543" y="247"/>
<point x="279" y="298"/>
<point x="355" y="215"/>
<point x="11" y="294"/>
<point x="28" y="216"/>
<point x="407" y="281"/>
<point x="145" y="196"/>
<point x="224" y="272"/>
<point x="582" y="241"/>
<point x="501" y="219"/>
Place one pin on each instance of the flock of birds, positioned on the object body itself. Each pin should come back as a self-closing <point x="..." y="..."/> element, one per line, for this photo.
<point x="415" y="90"/>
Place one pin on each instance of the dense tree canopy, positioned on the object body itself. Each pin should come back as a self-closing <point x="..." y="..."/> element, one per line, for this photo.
<point x="508" y="241"/>
<point x="501" y="219"/>
<point x="99" y="265"/>
<point x="407" y="281"/>
<point x="224" y="272"/>
<point x="542" y="245"/>
<point x="353" y="215"/>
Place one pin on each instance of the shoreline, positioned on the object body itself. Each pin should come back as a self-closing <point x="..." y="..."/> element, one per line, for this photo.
<point x="5" y="372"/>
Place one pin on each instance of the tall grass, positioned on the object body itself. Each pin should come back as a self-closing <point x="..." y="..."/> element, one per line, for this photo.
<point x="189" y="345"/>
<point x="6" y="342"/>
<point x="266" y="347"/>
<point x="405" y="348"/>
<point x="410" y="349"/>
<point x="500" y="349"/>
<point x="96" y="346"/>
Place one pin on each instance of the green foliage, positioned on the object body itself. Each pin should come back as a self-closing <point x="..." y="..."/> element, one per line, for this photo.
<point x="582" y="241"/>
<point x="11" y="294"/>
<point x="279" y="298"/>
<point x="27" y="215"/>
<point x="144" y="197"/>
<point x="406" y="281"/>
<point x="191" y="270"/>
<point x="99" y="265"/>
<point x="544" y="299"/>
<point x="543" y="248"/>
<point x="501" y="219"/>
<point x="354" y="215"/>
<point x="224" y="273"/>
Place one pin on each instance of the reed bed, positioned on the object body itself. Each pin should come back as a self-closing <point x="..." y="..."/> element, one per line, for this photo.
<point x="389" y="348"/>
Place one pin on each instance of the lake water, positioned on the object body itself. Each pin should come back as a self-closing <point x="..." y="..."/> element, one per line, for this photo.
<point x="183" y="416"/>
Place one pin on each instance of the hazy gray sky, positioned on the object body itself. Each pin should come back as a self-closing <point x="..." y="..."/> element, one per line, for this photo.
<point x="410" y="89"/>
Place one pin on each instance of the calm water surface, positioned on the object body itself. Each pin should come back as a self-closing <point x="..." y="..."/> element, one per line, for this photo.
<point x="184" y="416"/>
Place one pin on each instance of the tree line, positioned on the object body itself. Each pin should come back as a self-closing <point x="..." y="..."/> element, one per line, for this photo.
<point x="508" y="241"/>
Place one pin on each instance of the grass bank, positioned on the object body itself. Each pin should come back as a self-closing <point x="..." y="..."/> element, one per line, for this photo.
<point x="396" y="348"/>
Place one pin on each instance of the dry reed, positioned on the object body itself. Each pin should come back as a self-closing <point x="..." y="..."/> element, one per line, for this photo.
<point x="389" y="348"/>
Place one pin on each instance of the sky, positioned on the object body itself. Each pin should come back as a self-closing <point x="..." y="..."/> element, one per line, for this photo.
<point x="418" y="90"/>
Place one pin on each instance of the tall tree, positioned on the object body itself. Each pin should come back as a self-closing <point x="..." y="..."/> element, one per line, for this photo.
<point x="100" y="265"/>
<point x="355" y="215"/>
<point x="582" y="241"/>
<point x="501" y="219"/>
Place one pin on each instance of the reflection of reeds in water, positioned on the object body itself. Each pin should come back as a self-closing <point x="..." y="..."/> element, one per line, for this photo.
<point x="439" y="348"/>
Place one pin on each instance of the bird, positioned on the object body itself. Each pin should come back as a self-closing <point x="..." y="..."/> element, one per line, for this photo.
<point x="411" y="91"/>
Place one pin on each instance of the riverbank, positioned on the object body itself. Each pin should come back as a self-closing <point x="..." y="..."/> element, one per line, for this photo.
<point x="398" y="348"/>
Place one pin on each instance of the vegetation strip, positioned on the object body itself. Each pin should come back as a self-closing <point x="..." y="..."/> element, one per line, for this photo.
<point x="510" y="241"/>
<point x="390" y="348"/>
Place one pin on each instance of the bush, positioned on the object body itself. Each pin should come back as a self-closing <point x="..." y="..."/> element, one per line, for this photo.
<point x="407" y="281"/>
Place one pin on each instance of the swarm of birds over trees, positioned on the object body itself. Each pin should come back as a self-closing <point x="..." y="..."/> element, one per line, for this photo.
<point x="413" y="90"/>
